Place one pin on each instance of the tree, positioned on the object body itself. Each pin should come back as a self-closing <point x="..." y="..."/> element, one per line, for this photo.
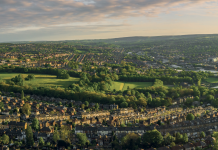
<point x="35" y="124"/>
<point x="142" y="102"/>
<point x="41" y="141"/>
<point x="130" y="141"/>
<point x="124" y="105"/>
<point x="129" y="124"/>
<point x="30" y="77"/>
<point x="12" y="94"/>
<point x="202" y="134"/>
<point x="199" y="82"/>
<point x="190" y="117"/>
<point x="18" y="80"/>
<point x="5" y="139"/>
<point x="172" y="144"/>
<point x="62" y="74"/>
<point x="62" y="143"/>
<point x="122" y="125"/>
<point x="159" y="122"/>
<point x="47" y="65"/>
<point x="185" y="138"/>
<point x="83" y="106"/>
<point x="22" y="95"/>
<point x="115" y="145"/>
<point x="59" y="103"/>
<point x="64" y="133"/>
<point x="189" y="102"/>
<point x="11" y="112"/>
<point x="168" y="139"/>
<point x="26" y="109"/>
<point x="82" y="138"/>
<point x="152" y="138"/>
<point x="29" y="136"/>
<point x="179" y="137"/>
<point x="1" y="105"/>
<point x="56" y="136"/>
<point x="196" y="98"/>
<point x="209" y="98"/>
<point x="86" y="103"/>
<point x="96" y="106"/>
<point x="215" y="135"/>
<point x="48" y="144"/>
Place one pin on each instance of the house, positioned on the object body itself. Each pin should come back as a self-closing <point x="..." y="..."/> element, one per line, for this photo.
<point x="164" y="148"/>
<point x="109" y="106"/>
<point x="5" y="112"/>
<point x="200" y="144"/>
<point x="45" y="136"/>
<point x="209" y="140"/>
<point x="18" y="134"/>
<point x="3" y="126"/>
<point x="24" y="116"/>
<point x="189" y="146"/>
<point x="35" y="112"/>
<point x="17" y="125"/>
<point x="47" y="130"/>
<point x="8" y="118"/>
<point x="177" y="147"/>
<point x="124" y="110"/>
<point x="4" y="147"/>
<point x="92" y="114"/>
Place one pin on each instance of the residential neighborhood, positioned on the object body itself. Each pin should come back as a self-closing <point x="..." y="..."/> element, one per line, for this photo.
<point x="101" y="125"/>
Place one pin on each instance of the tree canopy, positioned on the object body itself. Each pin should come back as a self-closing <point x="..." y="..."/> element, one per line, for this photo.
<point x="190" y="117"/>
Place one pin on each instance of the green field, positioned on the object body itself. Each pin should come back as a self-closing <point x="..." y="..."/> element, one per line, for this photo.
<point x="212" y="80"/>
<point x="43" y="80"/>
<point x="123" y="85"/>
<point x="52" y="81"/>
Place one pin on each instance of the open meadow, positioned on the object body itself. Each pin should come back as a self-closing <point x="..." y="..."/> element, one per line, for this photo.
<point x="124" y="85"/>
<point x="42" y="80"/>
<point x="212" y="79"/>
<point x="51" y="81"/>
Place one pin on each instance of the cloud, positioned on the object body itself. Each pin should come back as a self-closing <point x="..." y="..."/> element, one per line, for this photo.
<point x="47" y="13"/>
<point x="60" y="33"/>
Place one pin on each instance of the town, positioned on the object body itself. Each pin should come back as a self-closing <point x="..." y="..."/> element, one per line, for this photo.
<point x="108" y="75"/>
<point x="98" y="96"/>
<point x="53" y="117"/>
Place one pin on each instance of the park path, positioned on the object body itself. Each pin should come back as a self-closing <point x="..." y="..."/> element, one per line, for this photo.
<point x="121" y="86"/>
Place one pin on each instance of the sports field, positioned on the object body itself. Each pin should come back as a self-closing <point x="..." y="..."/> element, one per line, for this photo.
<point x="212" y="80"/>
<point x="42" y="80"/>
<point x="124" y="85"/>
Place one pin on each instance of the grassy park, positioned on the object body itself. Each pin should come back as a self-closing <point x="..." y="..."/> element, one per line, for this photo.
<point x="42" y="80"/>
<point x="124" y="85"/>
<point x="52" y="81"/>
<point x="212" y="80"/>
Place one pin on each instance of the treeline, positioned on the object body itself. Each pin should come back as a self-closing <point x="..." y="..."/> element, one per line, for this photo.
<point x="96" y="97"/>
<point x="165" y="79"/>
<point x="196" y="76"/>
<point x="151" y="139"/>
<point x="135" y="99"/>
<point x="50" y="71"/>
<point x="151" y="96"/>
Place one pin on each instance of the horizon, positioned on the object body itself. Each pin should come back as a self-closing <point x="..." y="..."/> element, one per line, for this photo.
<point x="55" y="20"/>
<point x="112" y="38"/>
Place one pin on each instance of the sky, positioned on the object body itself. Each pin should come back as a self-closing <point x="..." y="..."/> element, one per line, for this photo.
<point x="52" y="20"/>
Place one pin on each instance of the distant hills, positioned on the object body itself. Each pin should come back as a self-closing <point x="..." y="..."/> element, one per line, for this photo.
<point x="129" y="39"/>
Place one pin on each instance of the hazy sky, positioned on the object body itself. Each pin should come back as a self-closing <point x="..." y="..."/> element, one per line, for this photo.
<point x="30" y="20"/>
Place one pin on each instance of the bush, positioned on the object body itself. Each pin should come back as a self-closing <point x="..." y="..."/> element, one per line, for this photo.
<point x="63" y="74"/>
<point x="158" y="82"/>
<point x="190" y="117"/>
